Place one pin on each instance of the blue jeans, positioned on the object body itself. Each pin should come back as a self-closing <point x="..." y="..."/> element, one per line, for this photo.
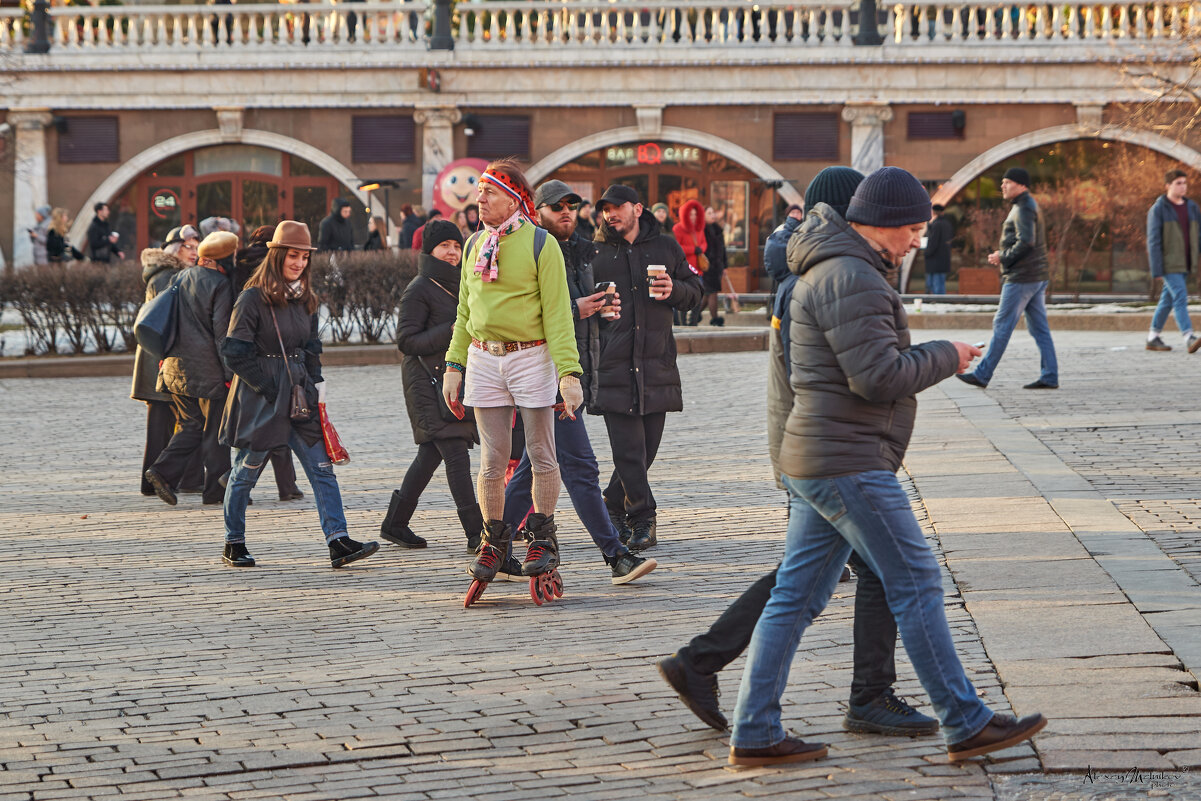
<point x="1174" y="297"/>
<point x="1015" y="299"/>
<point x="581" y="478"/>
<point x="248" y="466"/>
<point x="936" y="283"/>
<point x="828" y="517"/>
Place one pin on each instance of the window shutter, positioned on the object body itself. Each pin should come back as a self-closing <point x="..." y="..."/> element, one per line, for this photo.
<point x="89" y="140"/>
<point x="806" y="136"/>
<point x="500" y="135"/>
<point x="383" y="140"/>
<point x="932" y="125"/>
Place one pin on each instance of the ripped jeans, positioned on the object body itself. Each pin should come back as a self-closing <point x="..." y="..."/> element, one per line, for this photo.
<point x="248" y="466"/>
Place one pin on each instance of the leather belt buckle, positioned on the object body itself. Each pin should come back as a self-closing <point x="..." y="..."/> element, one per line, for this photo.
<point x="495" y="348"/>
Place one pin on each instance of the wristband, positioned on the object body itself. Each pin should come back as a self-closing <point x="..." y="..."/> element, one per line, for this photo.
<point x="455" y="366"/>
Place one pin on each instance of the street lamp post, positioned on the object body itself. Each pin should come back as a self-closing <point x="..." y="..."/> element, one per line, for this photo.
<point x="869" y="26"/>
<point x="40" y="19"/>
<point x="441" y="39"/>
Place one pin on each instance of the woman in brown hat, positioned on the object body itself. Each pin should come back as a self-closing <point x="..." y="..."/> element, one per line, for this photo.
<point x="273" y="345"/>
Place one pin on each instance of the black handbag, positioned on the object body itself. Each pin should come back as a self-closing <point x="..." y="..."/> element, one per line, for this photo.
<point x="156" y="325"/>
<point x="443" y="410"/>
<point x="298" y="404"/>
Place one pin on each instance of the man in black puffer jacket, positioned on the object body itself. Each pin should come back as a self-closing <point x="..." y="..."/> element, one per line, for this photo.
<point x="855" y="375"/>
<point x="196" y="376"/>
<point x="336" y="231"/>
<point x="635" y="380"/>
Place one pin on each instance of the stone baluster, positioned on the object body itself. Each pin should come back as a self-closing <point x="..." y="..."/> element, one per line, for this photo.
<point x="464" y="31"/>
<point x="1123" y="20"/>
<point x="527" y="27"/>
<point x="1106" y="22"/>
<point x="493" y="27"/>
<point x="1006" y="23"/>
<point x="1157" y="21"/>
<point x="1140" y="22"/>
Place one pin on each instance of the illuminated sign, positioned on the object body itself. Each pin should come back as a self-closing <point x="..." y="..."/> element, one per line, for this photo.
<point x="164" y="203"/>
<point x="650" y="154"/>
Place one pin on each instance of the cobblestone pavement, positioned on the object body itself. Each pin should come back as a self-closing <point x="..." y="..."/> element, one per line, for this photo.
<point x="136" y="666"/>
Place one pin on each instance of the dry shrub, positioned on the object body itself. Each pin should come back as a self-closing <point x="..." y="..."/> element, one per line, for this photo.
<point x="361" y="291"/>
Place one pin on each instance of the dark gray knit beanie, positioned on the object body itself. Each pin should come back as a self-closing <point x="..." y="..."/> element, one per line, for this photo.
<point x="833" y="186"/>
<point x="1017" y="175"/>
<point x="437" y="231"/>
<point x="890" y="198"/>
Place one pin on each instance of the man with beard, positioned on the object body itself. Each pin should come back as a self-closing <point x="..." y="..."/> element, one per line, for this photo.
<point x="634" y="378"/>
<point x="556" y="206"/>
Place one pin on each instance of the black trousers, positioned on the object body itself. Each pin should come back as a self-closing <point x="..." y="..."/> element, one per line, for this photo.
<point x="285" y="471"/>
<point x="458" y="473"/>
<point x="634" y="440"/>
<point x="160" y="426"/>
<point x="875" y="634"/>
<point x="199" y="425"/>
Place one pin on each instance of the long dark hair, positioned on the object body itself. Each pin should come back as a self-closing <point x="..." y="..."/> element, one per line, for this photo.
<point x="269" y="279"/>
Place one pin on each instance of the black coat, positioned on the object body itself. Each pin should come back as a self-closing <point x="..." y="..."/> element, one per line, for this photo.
<point x="427" y="313"/>
<point x="100" y="248"/>
<point x="336" y="233"/>
<point x="58" y="249"/>
<point x="256" y="414"/>
<point x="577" y="257"/>
<point x="407" y="228"/>
<point x="938" y="245"/>
<point x="374" y="240"/>
<point x="636" y="372"/>
<point x="158" y="268"/>
<point x="194" y="366"/>
<point x="1024" y="243"/>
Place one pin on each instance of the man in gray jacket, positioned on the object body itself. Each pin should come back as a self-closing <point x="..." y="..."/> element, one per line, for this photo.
<point x="1173" y="231"/>
<point x="196" y="376"/>
<point x="1023" y="262"/>
<point x="855" y="375"/>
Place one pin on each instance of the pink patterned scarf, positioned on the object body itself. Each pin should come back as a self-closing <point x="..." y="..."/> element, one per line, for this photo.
<point x="487" y="263"/>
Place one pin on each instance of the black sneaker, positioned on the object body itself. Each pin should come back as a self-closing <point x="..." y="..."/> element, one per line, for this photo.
<point x="510" y="570"/>
<point x="970" y="378"/>
<point x="888" y="714"/>
<point x="236" y="554"/>
<point x="627" y="567"/>
<point x="1040" y="384"/>
<point x="293" y="494"/>
<point x="698" y="691"/>
<point x="344" y="550"/>
<point x="644" y="536"/>
<point x="1158" y="344"/>
<point x="624" y="532"/>
<point x="161" y="488"/>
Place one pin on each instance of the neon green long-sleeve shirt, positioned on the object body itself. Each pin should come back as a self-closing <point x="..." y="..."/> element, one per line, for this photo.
<point x="527" y="301"/>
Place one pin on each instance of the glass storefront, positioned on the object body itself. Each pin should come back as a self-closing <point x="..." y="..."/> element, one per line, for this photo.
<point x="673" y="173"/>
<point x="252" y="185"/>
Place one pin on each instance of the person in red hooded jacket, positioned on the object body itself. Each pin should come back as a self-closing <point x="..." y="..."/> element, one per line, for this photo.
<point x="690" y="233"/>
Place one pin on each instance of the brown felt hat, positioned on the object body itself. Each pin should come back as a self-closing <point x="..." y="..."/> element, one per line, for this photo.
<point x="291" y="235"/>
<point x="218" y="245"/>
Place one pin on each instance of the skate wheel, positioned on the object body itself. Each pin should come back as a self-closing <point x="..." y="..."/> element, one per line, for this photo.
<point x="474" y="592"/>
<point x="548" y="587"/>
<point x="536" y="589"/>
<point x="556" y="583"/>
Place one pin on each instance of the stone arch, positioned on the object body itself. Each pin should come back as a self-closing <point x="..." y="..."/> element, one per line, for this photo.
<point x="1062" y="133"/>
<point x="687" y="136"/>
<point x="130" y="170"/>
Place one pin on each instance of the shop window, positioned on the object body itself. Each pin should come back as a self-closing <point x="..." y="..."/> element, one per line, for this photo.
<point x="383" y="140"/>
<point x="88" y="140"/>
<point x="730" y="199"/>
<point x="173" y="167"/>
<point x="500" y="135"/>
<point x="237" y="158"/>
<point x="812" y="136"/>
<point x="299" y="166"/>
<point x="934" y="125"/>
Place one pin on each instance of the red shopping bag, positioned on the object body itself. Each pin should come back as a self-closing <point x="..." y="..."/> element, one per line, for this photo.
<point x="333" y="445"/>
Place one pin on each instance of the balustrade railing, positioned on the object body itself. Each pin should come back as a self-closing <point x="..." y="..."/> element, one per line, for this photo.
<point x="241" y="27"/>
<point x="1039" y="23"/>
<point x="652" y="23"/>
<point x="488" y="25"/>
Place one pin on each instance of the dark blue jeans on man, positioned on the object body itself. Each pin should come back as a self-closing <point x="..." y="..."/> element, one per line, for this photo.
<point x="936" y="283"/>
<point x="581" y="478"/>
<point x="1016" y="299"/>
<point x="248" y="466"/>
<point x="870" y="513"/>
<point x="1174" y="298"/>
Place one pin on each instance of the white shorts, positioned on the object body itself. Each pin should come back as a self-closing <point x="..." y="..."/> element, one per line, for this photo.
<point x="523" y="378"/>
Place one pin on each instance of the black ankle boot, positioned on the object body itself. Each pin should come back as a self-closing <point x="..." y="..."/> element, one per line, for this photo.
<point x="395" y="528"/>
<point x="236" y="554"/>
<point x="473" y="525"/>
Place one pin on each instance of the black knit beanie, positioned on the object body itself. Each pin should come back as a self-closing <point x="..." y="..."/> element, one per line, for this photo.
<point x="890" y="198"/>
<point x="437" y="231"/>
<point x="833" y="186"/>
<point x="1017" y="175"/>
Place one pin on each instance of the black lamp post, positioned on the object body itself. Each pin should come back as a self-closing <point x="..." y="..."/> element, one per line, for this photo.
<point x="40" y="18"/>
<point x="869" y="25"/>
<point x="442" y="39"/>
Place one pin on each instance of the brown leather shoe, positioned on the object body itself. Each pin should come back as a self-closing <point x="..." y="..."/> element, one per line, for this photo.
<point x="787" y="750"/>
<point x="1001" y="732"/>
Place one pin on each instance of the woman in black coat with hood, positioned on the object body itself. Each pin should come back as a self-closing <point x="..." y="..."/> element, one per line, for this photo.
<point x="427" y="315"/>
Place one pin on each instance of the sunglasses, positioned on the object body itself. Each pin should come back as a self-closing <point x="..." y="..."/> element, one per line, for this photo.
<point x="562" y="206"/>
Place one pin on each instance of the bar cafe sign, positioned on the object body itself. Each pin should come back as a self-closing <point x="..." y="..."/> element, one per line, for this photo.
<point x="649" y="154"/>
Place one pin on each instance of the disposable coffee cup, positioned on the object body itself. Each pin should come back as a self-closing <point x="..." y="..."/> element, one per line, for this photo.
<point x="610" y="290"/>
<point x="654" y="271"/>
<point x="917" y="305"/>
